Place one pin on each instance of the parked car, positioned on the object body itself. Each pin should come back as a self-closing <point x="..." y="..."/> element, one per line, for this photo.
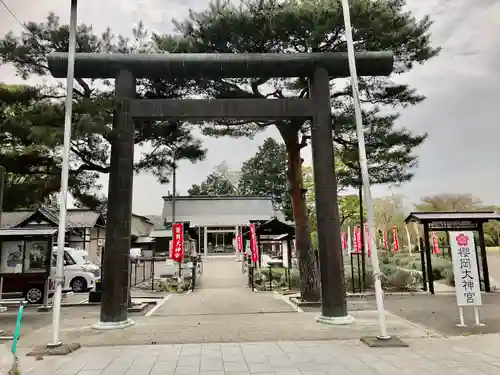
<point x="29" y="286"/>
<point x="80" y="275"/>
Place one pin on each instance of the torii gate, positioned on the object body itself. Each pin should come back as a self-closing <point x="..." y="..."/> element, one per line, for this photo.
<point x="126" y="68"/>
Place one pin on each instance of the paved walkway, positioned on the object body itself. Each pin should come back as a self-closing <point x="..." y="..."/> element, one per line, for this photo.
<point x="223" y="310"/>
<point x="474" y="355"/>
<point x="223" y="291"/>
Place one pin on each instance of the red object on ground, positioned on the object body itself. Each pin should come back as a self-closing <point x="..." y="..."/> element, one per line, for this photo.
<point x="385" y="240"/>
<point x="395" y="240"/>
<point x="253" y="243"/>
<point x="178" y="243"/>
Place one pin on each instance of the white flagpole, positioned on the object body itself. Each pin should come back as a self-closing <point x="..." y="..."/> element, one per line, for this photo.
<point x="63" y="200"/>
<point x="408" y="238"/>
<point x="364" y="171"/>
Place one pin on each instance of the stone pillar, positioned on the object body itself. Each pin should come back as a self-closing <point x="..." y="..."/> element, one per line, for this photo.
<point x="117" y="255"/>
<point x="333" y="295"/>
<point x="205" y="241"/>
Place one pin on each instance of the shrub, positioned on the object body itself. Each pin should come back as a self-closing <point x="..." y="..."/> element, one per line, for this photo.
<point x="276" y="273"/>
<point x="440" y="267"/>
<point x="403" y="280"/>
<point x="449" y="276"/>
<point x="294" y="280"/>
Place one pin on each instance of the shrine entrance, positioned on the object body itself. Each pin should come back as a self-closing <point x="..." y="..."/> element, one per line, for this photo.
<point x="453" y="221"/>
<point x="319" y="68"/>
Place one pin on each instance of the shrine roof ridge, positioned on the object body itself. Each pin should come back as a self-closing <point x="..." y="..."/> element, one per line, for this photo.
<point x="477" y="216"/>
<point x="220" y="65"/>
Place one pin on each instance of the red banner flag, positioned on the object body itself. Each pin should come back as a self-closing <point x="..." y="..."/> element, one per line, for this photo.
<point x="178" y="243"/>
<point x="385" y="240"/>
<point x="395" y="240"/>
<point x="343" y="238"/>
<point x="253" y="243"/>
<point x="357" y="240"/>
<point x="435" y="246"/>
<point x="239" y="243"/>
<point x="368" y="245"/>
<point x="170" y="249"/>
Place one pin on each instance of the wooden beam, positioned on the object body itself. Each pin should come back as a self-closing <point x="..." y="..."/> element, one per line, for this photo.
<point x="173" y="66"/>
<point x="217" y="109"/>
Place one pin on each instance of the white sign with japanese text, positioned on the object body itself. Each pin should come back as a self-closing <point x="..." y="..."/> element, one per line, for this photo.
<point x="285" y="252"/>
<point x="467" y="283"/>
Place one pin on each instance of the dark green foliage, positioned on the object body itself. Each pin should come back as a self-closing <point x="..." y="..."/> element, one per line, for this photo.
<point x="214" y="185"/>
<point x="264" y="174"/>
<point x="42" y="118"/>
<point x="317" y="26"/>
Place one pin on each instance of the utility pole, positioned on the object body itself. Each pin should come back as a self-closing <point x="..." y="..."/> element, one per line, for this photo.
<point x="363" y="163"/>
<point x="63" y="200"/>
<point x="2" y="184"/>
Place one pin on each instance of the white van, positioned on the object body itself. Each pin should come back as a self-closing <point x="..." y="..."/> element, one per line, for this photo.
<point x="80" y="275"/>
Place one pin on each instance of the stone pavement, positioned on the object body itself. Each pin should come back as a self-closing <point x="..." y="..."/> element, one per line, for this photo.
<point x="223" y="291"/>
<point x="223" y="310"/>
<point x="473" y="355"/>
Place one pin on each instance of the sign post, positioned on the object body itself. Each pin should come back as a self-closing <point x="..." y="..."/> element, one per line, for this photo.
<point x="467" y="283"/>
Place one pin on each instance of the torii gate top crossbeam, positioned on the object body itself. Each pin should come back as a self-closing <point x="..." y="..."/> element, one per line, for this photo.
<point x="219" y="65"/>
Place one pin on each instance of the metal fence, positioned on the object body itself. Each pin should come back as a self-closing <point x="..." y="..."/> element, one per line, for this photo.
<point x="141" y="270"/>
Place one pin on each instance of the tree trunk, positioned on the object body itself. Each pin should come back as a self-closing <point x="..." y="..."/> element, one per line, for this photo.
<point x="308" y="265"/>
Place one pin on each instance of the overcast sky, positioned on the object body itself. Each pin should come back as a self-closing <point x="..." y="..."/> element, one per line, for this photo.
<point x="462" y="85"/>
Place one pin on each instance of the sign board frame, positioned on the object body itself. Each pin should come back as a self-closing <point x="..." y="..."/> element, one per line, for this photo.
<point x="466" y="273"/>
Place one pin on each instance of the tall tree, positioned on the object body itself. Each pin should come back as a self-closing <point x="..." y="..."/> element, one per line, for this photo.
<point x="389" y="211"/>
<point x="214" y="185"/>
<point x="348" y="204"/>
<point x="28" y="149"/>
<point x="93" y="105"/>
<point x="450" y="202"/>
<point x="313" y="26"/>
<point x="265" y="174"/>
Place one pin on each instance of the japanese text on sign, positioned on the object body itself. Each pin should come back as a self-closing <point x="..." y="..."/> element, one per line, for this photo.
<point x="357" y="240"/>
<point x="467" y="283"/>
<point x="253" y="243"/>
<point x="395" y="241"/>
<point x="178" y="242"/>
<point x="239" y="243"/>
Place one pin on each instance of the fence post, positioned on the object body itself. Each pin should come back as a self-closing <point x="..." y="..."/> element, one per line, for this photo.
<point x="143" y="271"/>
<point x="153" y="274"/>
<point x="130" y="273"/>
<point x="289" y="277"/>
<point x="251" y="276"/>
<point x="270" y="279"/>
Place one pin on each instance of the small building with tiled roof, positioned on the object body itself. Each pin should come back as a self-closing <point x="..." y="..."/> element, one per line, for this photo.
<point x="85" y="229"/>
<point x="214" y="220"/>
